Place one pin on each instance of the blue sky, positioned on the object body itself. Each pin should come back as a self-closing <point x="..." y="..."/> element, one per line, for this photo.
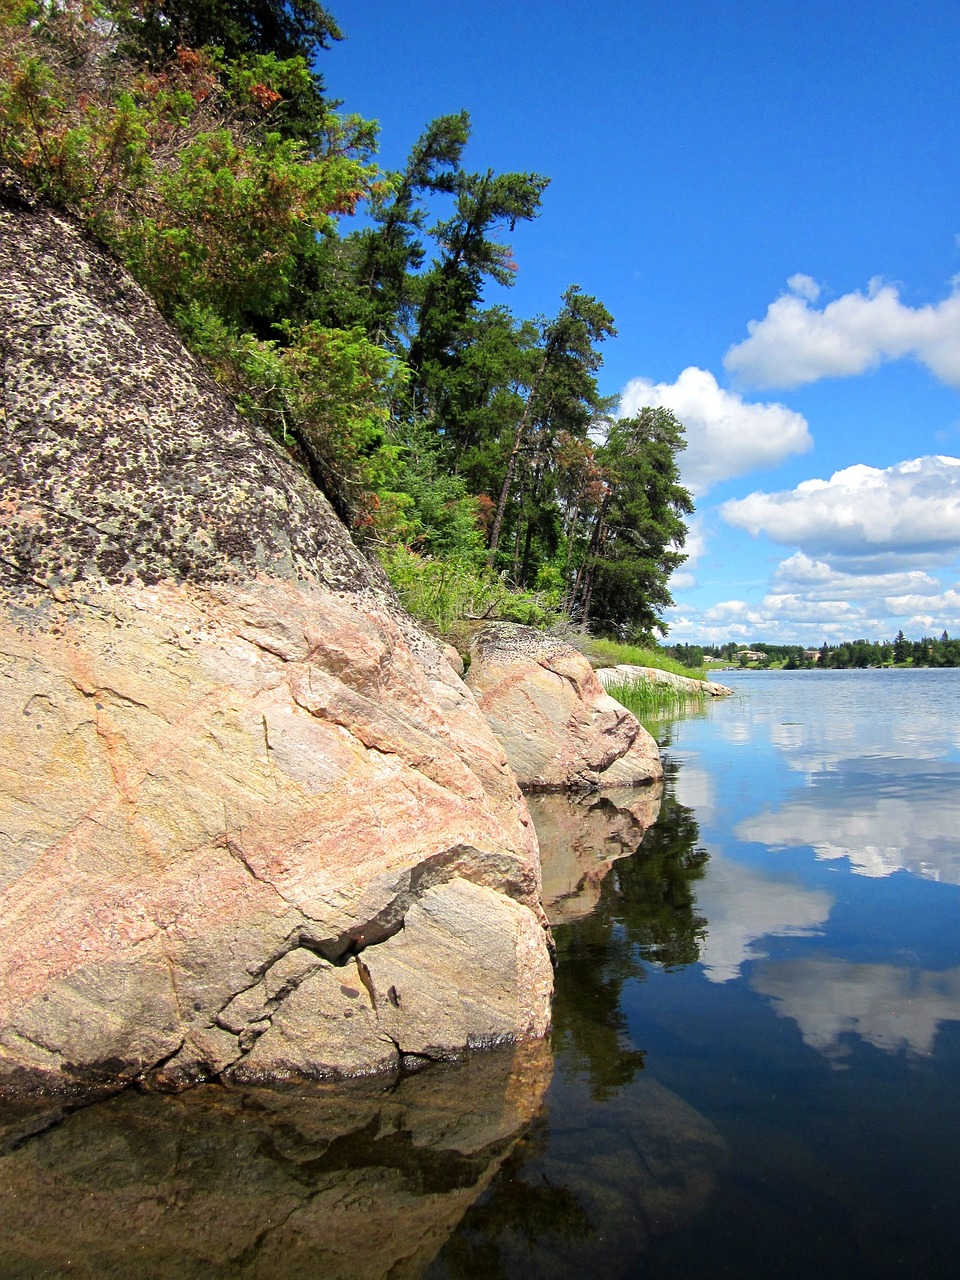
<point x="766" y="195"/>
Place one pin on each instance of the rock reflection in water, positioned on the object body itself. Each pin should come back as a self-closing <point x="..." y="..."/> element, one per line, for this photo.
<point x="590" y="1188"/>
<point x="580" y="839"/>
<point x="361" y="1180"/>
<point x="644" y="910"/>
<point x="615" y="1160"/>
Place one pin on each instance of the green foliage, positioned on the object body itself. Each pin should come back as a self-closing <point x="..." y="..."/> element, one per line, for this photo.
<point x="610" y="653"/>
<point x="925" y="652"/>
<point x="290" y="28"/>
<point x="650" y="701"/>
<point x="179" y="171"/>
<point x="340" y="385"/>
<point x="326" y="391"/>
<point x="442" y="592"/>
<point x="470" y="251"/>
<point x="235" y="221"/>
<point x="688" y="655"/>
<point x="292" y="32"/>
<point x="638" y="529"/>
<point x="384" y="257"/>
<point x="195" y="141"/>
<point x="561" y="403"/>
<point x="443" y="518"/>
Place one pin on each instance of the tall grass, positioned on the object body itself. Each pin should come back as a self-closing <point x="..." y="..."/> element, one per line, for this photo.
<point x="441" y="592"/>
<point x="608" y="653"/>
<point x="652" y="703"/>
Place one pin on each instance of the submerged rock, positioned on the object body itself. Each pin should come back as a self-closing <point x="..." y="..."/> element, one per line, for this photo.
<point x="619" y="1172"/>
<point x="560" y="730"/>
<point x="232" y="766"/>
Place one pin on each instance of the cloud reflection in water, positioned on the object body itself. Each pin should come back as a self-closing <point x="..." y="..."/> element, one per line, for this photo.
<point x="894" y="1009"/>
<point x="884" y="815"/>
<point x="742" y="906"/>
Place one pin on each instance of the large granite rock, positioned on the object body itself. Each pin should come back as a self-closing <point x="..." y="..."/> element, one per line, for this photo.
<point x="232" y="771"/>
<point x="559" y="728"/>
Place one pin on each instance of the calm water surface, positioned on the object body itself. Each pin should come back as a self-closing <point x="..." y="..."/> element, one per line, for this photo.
<point x="758" y="1027"/>
<point x="754" y="1070"/>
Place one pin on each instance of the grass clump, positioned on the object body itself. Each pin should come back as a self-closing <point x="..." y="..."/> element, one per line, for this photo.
<point x="443" y="592"/>
<point x="610" y="653"/>
<point x="652" y="703"/>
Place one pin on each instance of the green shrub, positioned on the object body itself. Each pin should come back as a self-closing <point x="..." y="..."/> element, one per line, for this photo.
<point x="441" y="592"/>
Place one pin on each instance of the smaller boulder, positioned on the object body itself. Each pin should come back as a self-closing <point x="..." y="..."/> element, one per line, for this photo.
<point x="559" y="729"/>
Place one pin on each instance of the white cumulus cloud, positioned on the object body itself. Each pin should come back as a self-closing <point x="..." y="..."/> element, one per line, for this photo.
<point x="805" y="286"/>
<point x="946" y="601"/>
<point x="726" y="435"/>
<point x="694" y="549"/>
<point x="777" y="618"/>
<point x="816" y="580"/>
<point x="796" y="342"/>
<point x="864" y="518"/>
<point x="792" y="619"/>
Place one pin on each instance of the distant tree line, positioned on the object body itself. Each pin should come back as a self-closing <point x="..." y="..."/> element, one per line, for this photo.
<point x="925" y="652"/>
<point x="197" y="141"/>
<point x="688" y="655"/>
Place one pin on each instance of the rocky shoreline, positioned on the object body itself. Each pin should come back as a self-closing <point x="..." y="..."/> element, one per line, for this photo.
<point x="254" y="824"/>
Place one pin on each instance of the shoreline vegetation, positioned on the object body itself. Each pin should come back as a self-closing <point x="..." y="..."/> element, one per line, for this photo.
<point x="652" y="702"/>
<point x="649" y="700"/>
<point x="928" y="651"/>
<point x="468" y="449"/>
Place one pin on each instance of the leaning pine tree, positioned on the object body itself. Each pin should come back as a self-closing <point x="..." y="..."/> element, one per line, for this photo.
<point x="637" y="530"/>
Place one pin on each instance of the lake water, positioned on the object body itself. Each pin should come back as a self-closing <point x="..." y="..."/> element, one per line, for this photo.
<point x="755" y="1067"/>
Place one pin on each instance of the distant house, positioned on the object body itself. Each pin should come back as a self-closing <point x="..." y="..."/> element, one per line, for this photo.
<point x="750" y="655"/>
<point x="811" y="655"/>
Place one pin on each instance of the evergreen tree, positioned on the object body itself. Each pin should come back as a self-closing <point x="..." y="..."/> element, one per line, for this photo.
<point x="471" y="251"/>
<point x="638" y="530"/>
<point x="242" y="31"/>
<point x="385" y="257"/>
<point x="563" y="394"/>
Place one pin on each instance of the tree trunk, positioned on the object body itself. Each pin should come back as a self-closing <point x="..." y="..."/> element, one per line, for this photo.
<point x="515" y="563"/>
<point x="570" y="534"/>
<point x="512" y="462"/>
<point x="584" y="583"/>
